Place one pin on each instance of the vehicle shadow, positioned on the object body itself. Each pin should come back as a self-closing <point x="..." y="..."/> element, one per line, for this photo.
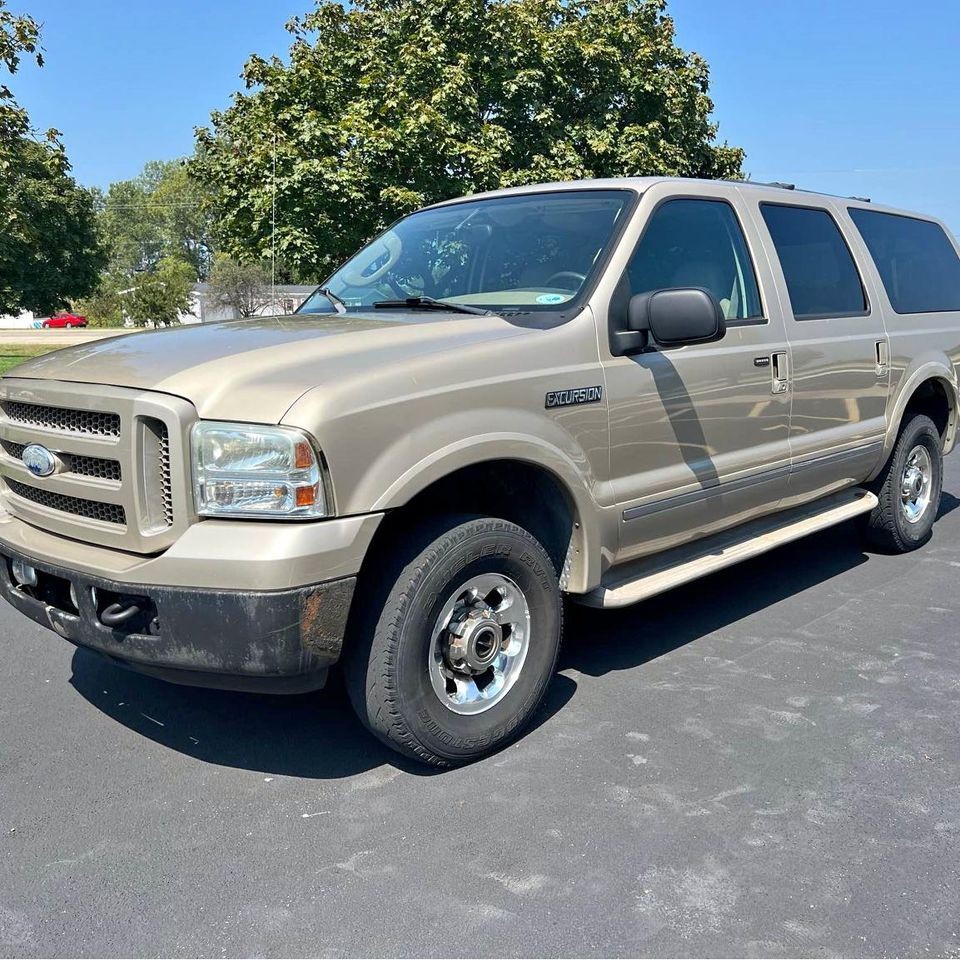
<point x="314" y="735"/>
<point x="318" y="736"/>
<point x="603" y="641"/>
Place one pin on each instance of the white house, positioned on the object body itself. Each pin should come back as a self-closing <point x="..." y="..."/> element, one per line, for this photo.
<point x="286" y="298"/>
<point x="24" y="320"/>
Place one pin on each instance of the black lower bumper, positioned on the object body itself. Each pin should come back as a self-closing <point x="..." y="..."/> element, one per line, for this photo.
<point x="273" y="642"/>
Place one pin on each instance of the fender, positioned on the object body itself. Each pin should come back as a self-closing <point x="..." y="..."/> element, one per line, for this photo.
<point x="926" y="368"/>
<point x="591" y="522"/>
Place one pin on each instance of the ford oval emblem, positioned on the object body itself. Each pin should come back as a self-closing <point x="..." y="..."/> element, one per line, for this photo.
<point x="39" y="460"/>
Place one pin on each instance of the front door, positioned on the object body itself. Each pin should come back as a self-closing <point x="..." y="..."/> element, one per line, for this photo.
<point x="699" y="434"/>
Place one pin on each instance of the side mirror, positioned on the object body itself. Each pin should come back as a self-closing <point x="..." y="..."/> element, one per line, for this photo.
<point x="677" y="317"/>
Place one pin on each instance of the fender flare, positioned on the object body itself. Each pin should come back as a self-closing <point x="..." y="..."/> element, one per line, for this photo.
<point x="584" y="561"/>
<point x="940" y="370"/>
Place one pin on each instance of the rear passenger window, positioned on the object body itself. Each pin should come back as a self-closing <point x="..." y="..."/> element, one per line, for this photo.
<point x="697" y="243"/>
<point x="918" y="265"/>
<point x="821" y="277"/>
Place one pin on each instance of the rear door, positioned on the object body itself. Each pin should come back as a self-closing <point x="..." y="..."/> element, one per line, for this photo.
<point x="839" y="352"/>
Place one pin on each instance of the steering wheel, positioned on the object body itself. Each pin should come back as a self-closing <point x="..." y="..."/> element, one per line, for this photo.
<point x="579" y="277"/>
<point x="355" y="273"/>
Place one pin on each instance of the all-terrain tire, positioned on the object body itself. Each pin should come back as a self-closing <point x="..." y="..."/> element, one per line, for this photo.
<point x="888" y="526"/>
<point x="392" y="638"/>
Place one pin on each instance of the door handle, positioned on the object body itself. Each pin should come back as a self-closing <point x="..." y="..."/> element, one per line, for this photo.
<point x="882" y="357"/>
<point x="779" y="373"/>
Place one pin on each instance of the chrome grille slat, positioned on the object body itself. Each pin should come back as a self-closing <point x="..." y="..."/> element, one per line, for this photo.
<point x="100" y="468"/>
<point x="63" y="419"/>
<point x="89" y="509"/>
<point x="166" y="481"/>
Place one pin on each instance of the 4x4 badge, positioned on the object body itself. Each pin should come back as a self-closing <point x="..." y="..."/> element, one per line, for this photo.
<point x="567" y="398"/>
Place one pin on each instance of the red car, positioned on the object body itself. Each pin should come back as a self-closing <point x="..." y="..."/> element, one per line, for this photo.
<point x="64" y="320"/>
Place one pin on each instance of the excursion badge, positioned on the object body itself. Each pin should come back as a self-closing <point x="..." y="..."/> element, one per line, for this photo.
<point x="573" y="396"/>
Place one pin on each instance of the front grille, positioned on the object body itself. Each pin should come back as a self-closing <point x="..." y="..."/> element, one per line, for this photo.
<point x="97" y="467"/>
<point x="121" y="473"/>
<point x="166" y="483"/>
<point x="83" y="422"/>
<point x="90" y="509"/>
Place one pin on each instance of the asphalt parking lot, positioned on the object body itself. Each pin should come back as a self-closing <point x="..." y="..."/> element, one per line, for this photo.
<point x="765" y="763"/>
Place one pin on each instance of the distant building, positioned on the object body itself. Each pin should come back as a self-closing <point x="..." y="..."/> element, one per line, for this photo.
<point x="286" y="298"/>
<point x="22" y="321"/>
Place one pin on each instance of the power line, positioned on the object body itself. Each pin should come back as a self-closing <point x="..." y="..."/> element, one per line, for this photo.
<point x="145" y="203"/>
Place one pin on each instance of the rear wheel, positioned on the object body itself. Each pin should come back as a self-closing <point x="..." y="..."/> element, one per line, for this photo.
<point x="908" y="489"/>
<point x="459" y="640"/>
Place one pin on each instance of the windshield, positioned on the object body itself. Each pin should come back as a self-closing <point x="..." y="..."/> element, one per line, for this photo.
<point x="531" y="252"/>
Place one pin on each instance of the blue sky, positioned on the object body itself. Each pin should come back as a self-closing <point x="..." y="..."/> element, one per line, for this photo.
<point x="846" y="96"/>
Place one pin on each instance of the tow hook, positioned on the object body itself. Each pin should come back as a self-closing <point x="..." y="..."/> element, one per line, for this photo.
<point x="118" y="613"/>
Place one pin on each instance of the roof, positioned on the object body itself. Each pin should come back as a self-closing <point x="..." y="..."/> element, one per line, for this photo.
<point x="774" y="191"/>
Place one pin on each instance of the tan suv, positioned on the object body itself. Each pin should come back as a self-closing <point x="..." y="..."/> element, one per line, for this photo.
<point x="598" y="389"/>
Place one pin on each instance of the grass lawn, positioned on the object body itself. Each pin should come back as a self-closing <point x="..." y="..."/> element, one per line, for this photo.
<point x="13" y="353"/>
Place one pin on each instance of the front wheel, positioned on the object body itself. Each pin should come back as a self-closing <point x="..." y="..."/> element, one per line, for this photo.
<point x="908" y="489"/>
<point x="459" y="641"/>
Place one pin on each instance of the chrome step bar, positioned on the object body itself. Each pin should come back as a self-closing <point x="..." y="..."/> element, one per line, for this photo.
<point x="645" y="578"/>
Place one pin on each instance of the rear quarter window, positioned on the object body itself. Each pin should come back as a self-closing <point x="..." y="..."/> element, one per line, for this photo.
<point x="917" y="263"/>
<point x="821" y="276"/>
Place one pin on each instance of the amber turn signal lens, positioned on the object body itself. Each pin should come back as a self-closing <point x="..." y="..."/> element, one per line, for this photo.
<point x="306" y="496"/>
<point x="303" y="456"/>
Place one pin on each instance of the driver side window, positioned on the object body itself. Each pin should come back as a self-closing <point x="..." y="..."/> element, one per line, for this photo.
<point x="697" y="243"/>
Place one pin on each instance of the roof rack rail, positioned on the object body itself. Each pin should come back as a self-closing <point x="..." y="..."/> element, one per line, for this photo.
<point x="780" y="185"/>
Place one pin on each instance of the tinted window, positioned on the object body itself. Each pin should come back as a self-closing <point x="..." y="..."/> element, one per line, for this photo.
<point x="822" y="278"/>
<point x="917" y="263"/>
<point x="697" y="243"/>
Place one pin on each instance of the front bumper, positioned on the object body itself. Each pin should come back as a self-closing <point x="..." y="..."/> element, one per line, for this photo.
<point x="273" y="641"/>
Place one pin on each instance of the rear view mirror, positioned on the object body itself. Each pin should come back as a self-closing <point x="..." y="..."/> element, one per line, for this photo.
<point x="678" y="317"/>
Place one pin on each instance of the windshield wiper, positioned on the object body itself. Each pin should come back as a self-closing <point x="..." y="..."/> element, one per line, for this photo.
<point x="429" y="303"/>
<point x="338" y="304"/>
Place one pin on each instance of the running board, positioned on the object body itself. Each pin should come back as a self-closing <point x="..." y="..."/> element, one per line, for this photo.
<point x="652" y="575"/>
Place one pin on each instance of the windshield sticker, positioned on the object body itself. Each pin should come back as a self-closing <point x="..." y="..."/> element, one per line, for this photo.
<point x="552" y="298"/>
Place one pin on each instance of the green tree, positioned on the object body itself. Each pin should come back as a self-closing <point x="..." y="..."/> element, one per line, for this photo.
<point x="240" y="286"/>
<point x="160" y="213"/>
<point x="159" y="295"/>
<point x="386" y="105"/>
<point x="49" y="247"/>
<point x="19" y="37"/>
<point x="104" y="307"/>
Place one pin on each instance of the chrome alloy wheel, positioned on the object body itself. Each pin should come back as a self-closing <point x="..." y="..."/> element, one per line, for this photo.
<point x="479" y="643"/>
<point x="916" y="483"/>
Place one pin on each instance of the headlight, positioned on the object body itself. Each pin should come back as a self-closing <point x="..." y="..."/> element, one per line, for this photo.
<point x="245" y="470"/>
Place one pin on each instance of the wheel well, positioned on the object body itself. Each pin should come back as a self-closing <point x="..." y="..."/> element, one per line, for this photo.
<point x="523" y="493"/>
<point x="931" y="399"/>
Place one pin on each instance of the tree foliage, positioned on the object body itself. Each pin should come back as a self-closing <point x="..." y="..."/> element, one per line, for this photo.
<point x="240" y="286"/>
<point x="386" y="105"/>
<point x="159" y="218"/>
<point x="19" y="37"/>
<point x="49" y="246"/>
<point x="159" y="295"/>
<point x="160" y="213"/>
<point x="104" y="307"/>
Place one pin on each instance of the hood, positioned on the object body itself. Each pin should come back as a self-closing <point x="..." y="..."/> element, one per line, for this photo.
<point x="255" y="370"/>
